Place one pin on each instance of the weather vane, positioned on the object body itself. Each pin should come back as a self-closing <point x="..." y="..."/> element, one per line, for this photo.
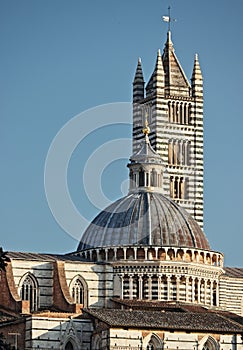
<point x="168" y="19"/>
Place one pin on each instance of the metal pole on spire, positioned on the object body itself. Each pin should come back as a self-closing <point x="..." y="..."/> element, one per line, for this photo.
<point x="168" y="18"/>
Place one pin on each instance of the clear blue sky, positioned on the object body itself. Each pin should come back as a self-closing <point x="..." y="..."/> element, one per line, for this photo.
<point x="61" y="57"/>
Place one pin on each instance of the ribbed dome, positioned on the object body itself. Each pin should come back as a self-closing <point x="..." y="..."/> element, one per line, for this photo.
<point x="143" y="218"/>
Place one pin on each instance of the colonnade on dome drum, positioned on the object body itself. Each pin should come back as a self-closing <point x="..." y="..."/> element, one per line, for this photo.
<point x="188" y="275"/>
<point x="170" y="287"/>
<point x="181" y="254"/>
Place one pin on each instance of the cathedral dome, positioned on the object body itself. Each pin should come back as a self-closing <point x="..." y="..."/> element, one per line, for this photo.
<point x="143" y="218"/>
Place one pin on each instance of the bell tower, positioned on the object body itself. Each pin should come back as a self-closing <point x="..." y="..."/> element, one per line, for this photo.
<point x="175" y="115"/>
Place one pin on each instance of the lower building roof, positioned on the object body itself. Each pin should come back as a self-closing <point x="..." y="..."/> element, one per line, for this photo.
<point x="168" y="320"/>
<point x="234" y="272"/>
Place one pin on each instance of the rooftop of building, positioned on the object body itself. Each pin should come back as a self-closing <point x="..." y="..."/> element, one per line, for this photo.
<point x="185" y="318"/>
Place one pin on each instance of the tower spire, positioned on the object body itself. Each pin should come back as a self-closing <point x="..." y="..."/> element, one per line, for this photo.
<point x="197" y="79"/>
<point x="173" y="104"/>
<point x="138" y="83"/>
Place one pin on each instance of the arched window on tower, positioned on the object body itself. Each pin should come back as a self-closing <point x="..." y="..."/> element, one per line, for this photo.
<point x="178" y="187"/>
<point x="179" y="112"/>
<point x="179" y="152"/>
<point x="29" y="291"/>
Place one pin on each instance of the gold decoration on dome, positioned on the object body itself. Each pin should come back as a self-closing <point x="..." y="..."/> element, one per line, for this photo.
<point x="146" y="129"/>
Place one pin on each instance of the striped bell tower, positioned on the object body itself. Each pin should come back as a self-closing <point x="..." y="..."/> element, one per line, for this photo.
<point x="175" y="114"/>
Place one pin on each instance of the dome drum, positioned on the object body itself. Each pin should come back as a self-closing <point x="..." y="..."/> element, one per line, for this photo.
<point x="156" y="254"/>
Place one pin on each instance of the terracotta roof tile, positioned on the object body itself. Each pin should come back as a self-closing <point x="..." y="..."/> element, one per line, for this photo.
<point x="191" y="321"/>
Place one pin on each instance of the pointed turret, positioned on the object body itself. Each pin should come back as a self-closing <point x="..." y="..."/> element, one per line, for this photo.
<point x="175" y="79"/>
<point x="138" y="83"/>
<point x="197" y="79"/>
<point x="157" y="81"/>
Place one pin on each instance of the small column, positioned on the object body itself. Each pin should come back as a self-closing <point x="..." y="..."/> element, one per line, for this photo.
<point x="211" y="292"/>
<point x="149" y="287"/>
<point x="184" y="255"/>
<point x="115" y="253"/>
<point x="177" y="113"/>
<point x="217" y="293"/>
<point x="172" y="186"/>
<point x="130" y="286"/>
<point x="166" y="254"/>
<point x="205" y="291"/>
<point x="174" y="112"/>
<point x="178" y="279"/>
<point x="176" y="153"/>
<point x="217" y="260"/>
<point x="106" y="254"/>
<point x="159" y="287"/>
<point x="204" y="258"/>
<point x="125" y="253"/>
<point x="187" y="288"/>
<point x="168" y="286"/>
<point x="122" y="283"/>
<point x="149" y="178"/>
<point x="186" y="113"/>
<point x="199" y="290"/>
<point x="170" y="152"/>
<point x="182" y="188"/>
<point x="137" y="179"/>
<point x="193" y="289"/>
<point x="140" y="287"/>
<point x="177" y="185"/>
<point x="156" y="252"/>
<point x="170" y="112"/>
<point x="186" y="155"/>
<point x="135" y="253"/>
<point x="211" y="259"/>
<point x="181" y="150"/>
<point x="182" y="114"/>
<point x="146" y="253"/>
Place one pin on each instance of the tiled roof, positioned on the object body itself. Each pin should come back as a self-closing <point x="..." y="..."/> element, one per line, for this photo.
<point x="54" y="314"/>
<point x="147" y="304"/>
<point x="234" y="272"/>
<point x="191" y="321"/>
<point x="159" y="305"/>
<point x="7" y="317"/>
<point x="43" y="257"/>
<point x="232" y="316"/>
